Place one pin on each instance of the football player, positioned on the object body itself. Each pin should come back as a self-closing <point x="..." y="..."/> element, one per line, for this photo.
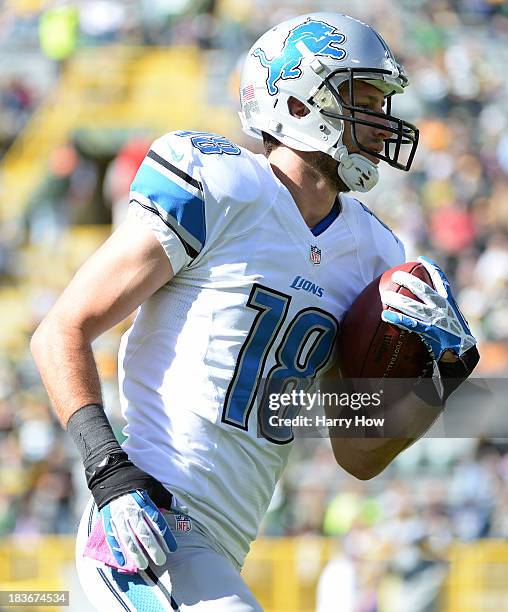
<point x="242" y="266"/>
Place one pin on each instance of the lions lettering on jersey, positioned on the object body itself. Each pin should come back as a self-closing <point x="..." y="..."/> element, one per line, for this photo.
<point x="302" y="284"/>
<point x="246" y="309"/>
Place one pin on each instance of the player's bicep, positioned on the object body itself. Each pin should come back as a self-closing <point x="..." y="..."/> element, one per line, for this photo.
<point x="129" y="267"/>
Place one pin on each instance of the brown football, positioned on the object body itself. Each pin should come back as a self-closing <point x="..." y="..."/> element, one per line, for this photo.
<point x="371" y="348"/>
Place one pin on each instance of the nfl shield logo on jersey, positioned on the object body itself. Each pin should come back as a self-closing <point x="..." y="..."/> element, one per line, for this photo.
<point x="315" y="254"/>
<point x="183" y="523"/>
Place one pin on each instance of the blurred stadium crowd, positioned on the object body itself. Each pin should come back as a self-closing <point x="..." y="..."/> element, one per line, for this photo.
<point x="453" y="205"/>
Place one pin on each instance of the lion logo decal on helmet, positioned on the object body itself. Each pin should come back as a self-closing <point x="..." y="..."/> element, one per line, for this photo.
<point x="319" y="37"/>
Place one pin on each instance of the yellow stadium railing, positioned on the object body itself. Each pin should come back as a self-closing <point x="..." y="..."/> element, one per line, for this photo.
<point x="478" y="577"/>
<point x="35" y="564"/>
<point x="282" y="572"/>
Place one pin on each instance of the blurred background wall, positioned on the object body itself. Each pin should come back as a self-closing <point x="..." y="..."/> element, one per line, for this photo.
<point x="84" y="88"/>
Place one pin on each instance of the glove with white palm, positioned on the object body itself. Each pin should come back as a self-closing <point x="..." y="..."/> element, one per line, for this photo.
<point x="129" y="500"/>
<point x="437" y="320"/>
<point x="133" y="524"/>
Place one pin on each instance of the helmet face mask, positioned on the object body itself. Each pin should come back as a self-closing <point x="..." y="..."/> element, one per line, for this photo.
<point x="310" y="58"/>
<point x="403" y="132"/>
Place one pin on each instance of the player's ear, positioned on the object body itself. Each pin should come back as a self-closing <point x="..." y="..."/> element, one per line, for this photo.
<point x="297" y="108"/>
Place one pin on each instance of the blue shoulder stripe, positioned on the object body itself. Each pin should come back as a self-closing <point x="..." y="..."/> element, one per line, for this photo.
<point x="183" y="211"/>
<point x="180" y="173"/>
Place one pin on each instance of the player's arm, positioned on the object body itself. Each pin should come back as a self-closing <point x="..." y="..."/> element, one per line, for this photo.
<point x="116" y="279"/>
<point x="437" y="319"/>
<point x="123" y="273"/>
<point x="365" y="457"/>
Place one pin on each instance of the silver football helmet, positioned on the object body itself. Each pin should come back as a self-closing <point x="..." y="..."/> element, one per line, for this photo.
<point x="309" y="58"/>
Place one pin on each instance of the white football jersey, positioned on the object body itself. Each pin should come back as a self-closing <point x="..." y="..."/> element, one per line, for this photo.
<point x="255" y="296"/>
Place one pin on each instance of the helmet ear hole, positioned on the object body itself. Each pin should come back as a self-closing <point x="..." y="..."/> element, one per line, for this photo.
<point x="297" y="108"/>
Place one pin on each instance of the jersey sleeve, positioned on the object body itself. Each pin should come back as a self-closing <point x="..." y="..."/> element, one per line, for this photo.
<point x="196" y="191"/>
<point x="167" y="194"/>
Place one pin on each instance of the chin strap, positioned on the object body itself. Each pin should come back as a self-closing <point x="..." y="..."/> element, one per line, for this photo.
<point x="357" y="172"/>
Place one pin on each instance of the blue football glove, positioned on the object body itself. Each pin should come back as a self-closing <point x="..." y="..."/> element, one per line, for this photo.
<point x="436" y="319"/>
<point x="128" y="500"/>
<point x="134" y="526"/>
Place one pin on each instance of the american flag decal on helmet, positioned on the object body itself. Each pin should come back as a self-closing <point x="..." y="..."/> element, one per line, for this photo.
<point x="315" y="254"/>
<point x="248" y="93"/>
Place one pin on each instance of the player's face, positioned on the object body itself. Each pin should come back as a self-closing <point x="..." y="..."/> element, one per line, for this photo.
<point x="369" y="97"/>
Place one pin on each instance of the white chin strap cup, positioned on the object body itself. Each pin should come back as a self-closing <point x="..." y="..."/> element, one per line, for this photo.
<point x="357" y="172"/>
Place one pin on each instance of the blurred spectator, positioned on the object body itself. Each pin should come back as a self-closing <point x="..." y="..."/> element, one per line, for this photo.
<point x="350" y="581"/>
<point x="121" y="173"/>
<point x="60" y="200"/>
<point x="17" y="103"/>
<point x="58" y="31"/>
